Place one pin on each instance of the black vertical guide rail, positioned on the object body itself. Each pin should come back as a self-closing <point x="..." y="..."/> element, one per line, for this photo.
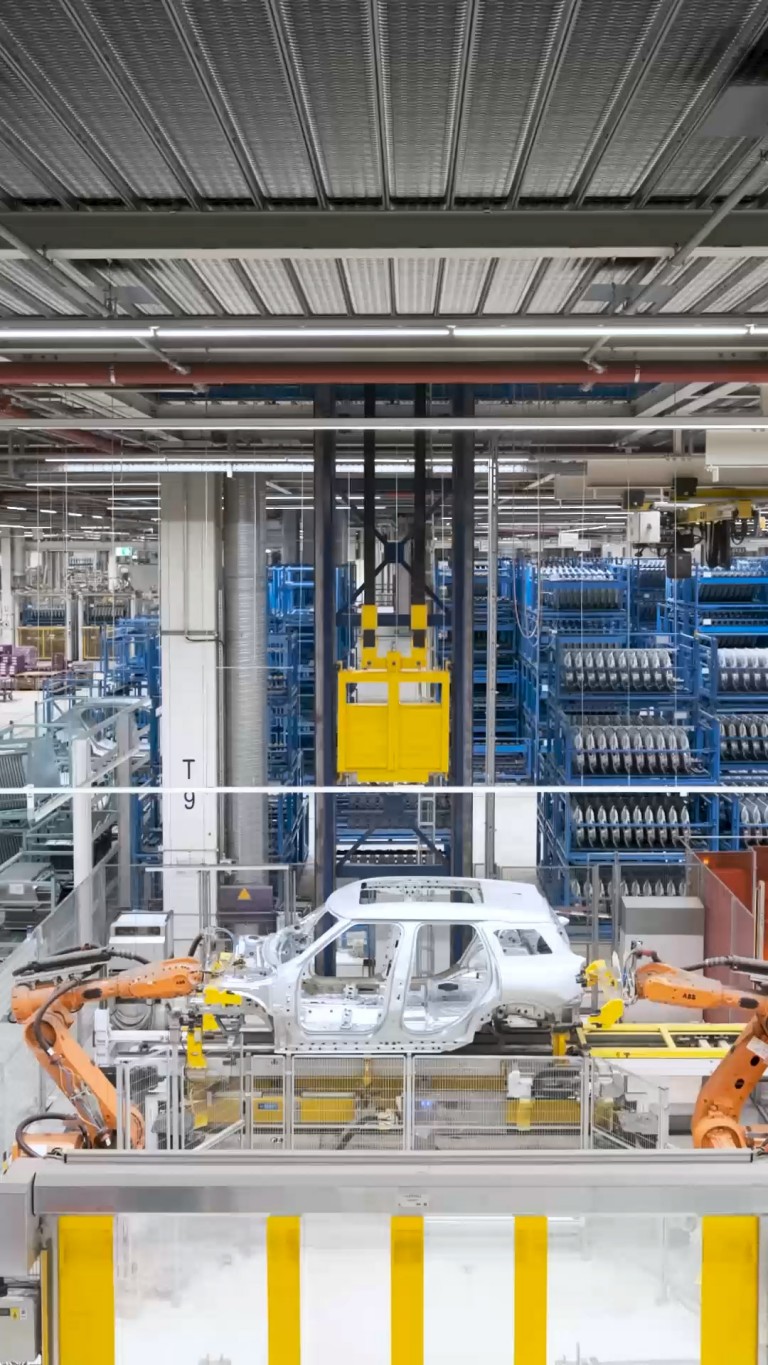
<point x="418" y="564"/>
<point x="462" y="598"/>
<point x="325" y="666"/>
<point x="369" y="511"/>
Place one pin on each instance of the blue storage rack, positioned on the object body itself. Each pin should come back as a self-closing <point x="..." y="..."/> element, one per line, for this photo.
<point x="744" y="821"/>
<point x="663" y="746"/>
<point x="719" y="602"/>
<point x="579" y="830"/>
<point x="606" y="672"/>
<point x="647" y="589"/>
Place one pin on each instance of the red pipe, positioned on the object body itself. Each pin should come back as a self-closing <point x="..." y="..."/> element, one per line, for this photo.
<point x="88" y="439"/>
<point x="98" y="374"/>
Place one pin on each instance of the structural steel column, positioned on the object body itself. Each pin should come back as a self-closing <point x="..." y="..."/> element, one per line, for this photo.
<point x="124" y="732"/>
<point x="325" y="658"/>
<point x="490" y="662"/>
<point x="462" y="590"/>
<point x="190" y="573"/>
<point x="245" y="667"/>
<point x="6" y="590"/>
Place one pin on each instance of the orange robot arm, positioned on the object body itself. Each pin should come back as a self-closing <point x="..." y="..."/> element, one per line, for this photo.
<point x="48" y="1011"/>
<point x="717" y="1115"/>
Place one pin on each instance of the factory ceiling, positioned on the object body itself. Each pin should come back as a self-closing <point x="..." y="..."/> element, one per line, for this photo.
<point x="567" y="201"/>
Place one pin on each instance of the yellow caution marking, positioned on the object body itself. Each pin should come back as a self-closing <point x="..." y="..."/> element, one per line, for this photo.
<point x="86" y="1291"/>
<point x="531" y="1291"/>
<point x="407" y="1290"/>
<point x="284" y="1290"/>
<point x="729" y="1290"/>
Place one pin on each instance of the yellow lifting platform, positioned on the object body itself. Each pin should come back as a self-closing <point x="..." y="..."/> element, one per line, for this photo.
<point x="394" y="713"/>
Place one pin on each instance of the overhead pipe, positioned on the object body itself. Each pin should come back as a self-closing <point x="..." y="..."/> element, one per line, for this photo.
<point x="101" y="375"/>
<point x="87" y="439"/>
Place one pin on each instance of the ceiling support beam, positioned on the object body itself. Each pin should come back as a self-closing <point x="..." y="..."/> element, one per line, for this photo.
<point x="312" y="233"/>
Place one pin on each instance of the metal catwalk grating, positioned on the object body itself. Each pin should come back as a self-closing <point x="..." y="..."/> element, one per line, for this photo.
<point x="462" y="285"/>
<point x="322" y="285"/>
<point x="698" y="56"/>
<point x="510" y="281"/>
<point x="240" y="40"/>
<point x="333" y="57"/>
<point x="421" y="43"/>
<point x="369" y="285"/>
<point x="510" y="38"/>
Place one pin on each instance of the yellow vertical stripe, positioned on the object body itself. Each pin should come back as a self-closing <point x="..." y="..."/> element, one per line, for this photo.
<point x="729" y="1291"/>
<point x="45" y="1320"/>
<point x="407" y="1290"/>
<point x="86" y="1297"/>
<point x="531" y="1291"/>
<point x="284" y="1290"/>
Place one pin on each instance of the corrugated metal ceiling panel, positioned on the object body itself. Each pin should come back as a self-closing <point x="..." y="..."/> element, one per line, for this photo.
<point x="240" y="40"/>
<point x="223" y="281"/>
<point x="685" y="298"/>
<point x="691" y="172"/>
<point x="13" y="303"/>
<point x="415" y="285"/>
<point x="369" y="285"/>
<point x="606" y="278"/>
<point x="731" y="298"/>
<point x="555" y="286"/>
<point x="65" y="63"/>
<point x="334" y="62"/>
<point x="32" y="283"/>
<point x="23" y="112"/>
<point x="421" y="43"/>
<point x="274" y="286"/>
<point x="510" y="281"/>
<point x="602" y="41"/>
<point x="181" y="284"/>
<point x="700" y="47"/>
<point x="510" y="36"/>
<point x="150" y="48"/>
<point x="135" y="291"/>
<point x="462" y="284"/>
<point x="322" y="285"/>
<point x="15" y="179"/>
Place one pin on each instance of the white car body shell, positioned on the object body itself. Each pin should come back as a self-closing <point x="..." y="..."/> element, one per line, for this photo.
<point x="519" y="968"/>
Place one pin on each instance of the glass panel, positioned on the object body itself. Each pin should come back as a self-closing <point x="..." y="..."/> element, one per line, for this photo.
<point x="160" y="1312"/>
<point x="624" y="1290"/>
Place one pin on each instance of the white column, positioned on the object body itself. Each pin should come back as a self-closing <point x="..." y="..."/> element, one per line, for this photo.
<point x="190" y="570"/>
<point x="6" y="590"/>
<point x="82" y="838"/>
<point x="125" y="740"/>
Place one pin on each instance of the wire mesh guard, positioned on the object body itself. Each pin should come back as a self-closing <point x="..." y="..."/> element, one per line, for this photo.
<point x="489" y="1102"/>
<point x="628" y="1111"/>
<point x="349" y="1102"/>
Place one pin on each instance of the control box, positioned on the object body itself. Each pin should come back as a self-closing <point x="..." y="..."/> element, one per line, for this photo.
<point x="20" y="1325"/>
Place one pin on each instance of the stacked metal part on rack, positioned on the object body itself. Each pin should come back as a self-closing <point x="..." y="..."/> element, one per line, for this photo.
<point x="727" y="611"/>
<point x="557" y="602"/>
